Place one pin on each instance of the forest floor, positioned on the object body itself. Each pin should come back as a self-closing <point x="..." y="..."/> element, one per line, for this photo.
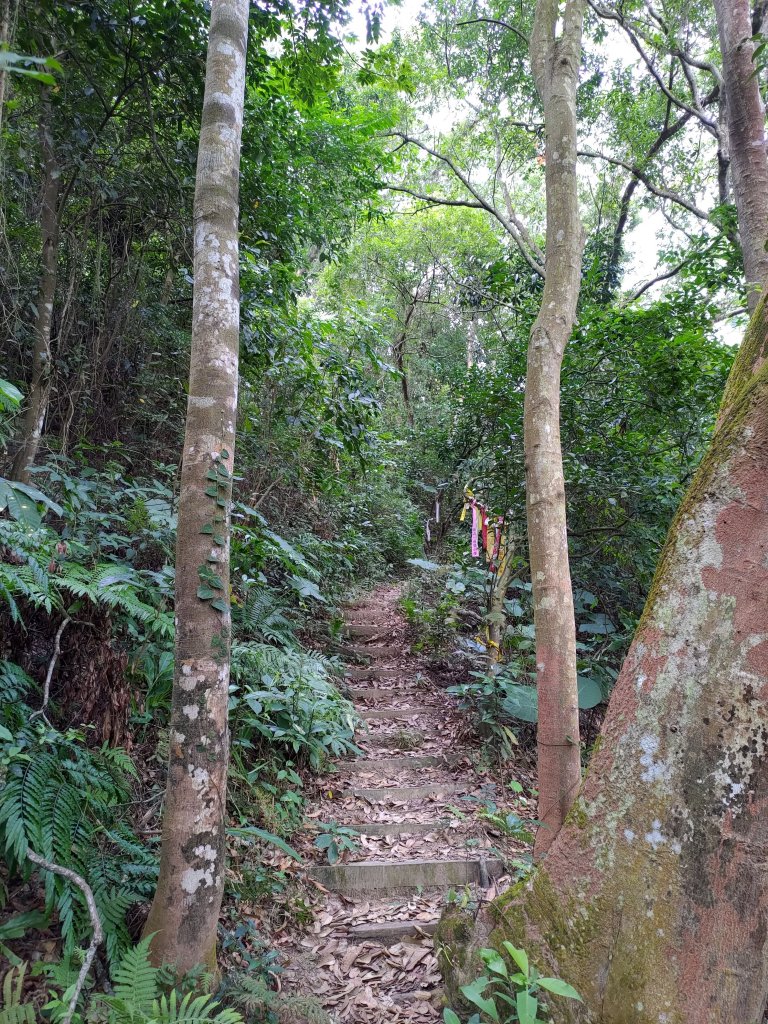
<point x="422" y="798"/>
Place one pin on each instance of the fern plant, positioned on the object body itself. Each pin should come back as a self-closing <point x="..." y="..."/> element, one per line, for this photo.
<point x="67" y="803"/>
<point x="12" y="1009"/>
<point x="138" y="997"/>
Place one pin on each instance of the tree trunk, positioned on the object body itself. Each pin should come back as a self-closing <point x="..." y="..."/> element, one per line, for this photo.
<point x="746" y="130"/>
<point x="399" y="353"/>
<point x="555" y="61"/>
<point x="653" y="901"/>
<point x="39" y="389"/>
<point x="185" y="910"/>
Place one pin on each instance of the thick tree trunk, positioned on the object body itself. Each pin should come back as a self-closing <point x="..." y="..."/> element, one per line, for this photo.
<point x="39" y="389"/>
<point x="746" y="131"/>
<point x="653" y="901"/>
<point x="186" y="907"/>
<point x="555" y="61"/>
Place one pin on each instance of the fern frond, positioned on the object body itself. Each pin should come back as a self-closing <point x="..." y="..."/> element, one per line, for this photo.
<point x="134" y="979"/>
<point x="12" y="1010"/>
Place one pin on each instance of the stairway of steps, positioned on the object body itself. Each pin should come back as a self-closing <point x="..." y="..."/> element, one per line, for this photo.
<point x="415" y="800"/>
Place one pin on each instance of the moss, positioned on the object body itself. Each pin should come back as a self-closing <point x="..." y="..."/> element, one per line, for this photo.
<point x="455" y="948"/>
<point x="745" y="388"/>
<point x="577" y="816"/>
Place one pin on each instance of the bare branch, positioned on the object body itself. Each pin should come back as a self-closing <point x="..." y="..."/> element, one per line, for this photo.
<point x="98" y="934"/>
<point x="495" y="21"/>
<point x="534" y="258"/>
<point x="51" y="666"/>
<point x="657" y="190"/>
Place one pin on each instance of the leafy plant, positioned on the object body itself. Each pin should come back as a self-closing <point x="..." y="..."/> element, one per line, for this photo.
<point x="336" y="840"/>
<point x="67" y="804"/>
<point x="12" y="1009"/>
<point x="510" y="993"/>
<point x="287" y="699"/>
<point x="137" y="997"/>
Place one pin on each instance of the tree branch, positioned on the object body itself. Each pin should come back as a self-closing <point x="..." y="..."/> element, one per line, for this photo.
<point x="662" y="193"/>
<point x="534" y="258"/>
<point x="495" y="21"/>
<point x="98" y="934"/>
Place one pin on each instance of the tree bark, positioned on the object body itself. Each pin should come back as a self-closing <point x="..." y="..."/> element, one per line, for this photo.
<point x="653" y="900"/>
<point x="746" y="131"/>
<point x="185" y="910"/>
<point x="39" y="389"/>
<point x="555" y="61"/>
<point x="399" y="353"/>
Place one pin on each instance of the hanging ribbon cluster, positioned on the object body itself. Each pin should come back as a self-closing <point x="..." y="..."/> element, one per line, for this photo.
<point x="435" y="518"/>
<point x="489" y="532"/>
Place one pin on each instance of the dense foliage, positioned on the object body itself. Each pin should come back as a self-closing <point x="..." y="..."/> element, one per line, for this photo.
<point x="386" y="309"/>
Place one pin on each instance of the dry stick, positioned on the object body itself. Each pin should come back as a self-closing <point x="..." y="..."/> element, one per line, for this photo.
<point x="98" y="935"/>
<point x="49" y="674"/>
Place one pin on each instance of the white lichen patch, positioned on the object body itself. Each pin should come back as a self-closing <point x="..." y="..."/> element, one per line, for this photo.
<point x="192" y="879"/>
<point x="191" y="711"/>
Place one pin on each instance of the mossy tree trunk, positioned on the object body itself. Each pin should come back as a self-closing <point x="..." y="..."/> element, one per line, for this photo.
<point x="653" y="900"/>
<point x="555" y="59"/>
<point x="185" y="910"/>
<point x="746" y="139"/>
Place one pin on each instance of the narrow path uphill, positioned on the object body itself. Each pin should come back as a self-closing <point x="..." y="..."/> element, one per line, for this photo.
<point x="417" y="803"/>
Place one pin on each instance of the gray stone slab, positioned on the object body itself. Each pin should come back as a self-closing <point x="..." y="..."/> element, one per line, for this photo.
<point x="400" y="828"/>
<point x="393" y="714"/>
<point x="384" y="765"/>
<point x="371" y="651"/>
<point x="372" y="672"/>
<point x="390" y="932"/>
<point x="373" y="875"/>
<point x="380" y="793"/>
<point x="375" y="693"/>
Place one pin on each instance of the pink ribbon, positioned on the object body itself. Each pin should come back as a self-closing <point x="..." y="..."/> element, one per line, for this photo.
<point x="475" y="547"/>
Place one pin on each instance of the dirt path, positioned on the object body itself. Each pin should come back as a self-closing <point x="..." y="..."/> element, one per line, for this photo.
<point x="419" y="804"/>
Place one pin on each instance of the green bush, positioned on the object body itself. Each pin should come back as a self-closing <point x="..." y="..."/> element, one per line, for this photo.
<point x="287" y="699"/>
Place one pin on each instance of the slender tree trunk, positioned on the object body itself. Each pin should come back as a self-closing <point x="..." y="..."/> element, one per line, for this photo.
<point x="399" y="353"/>
<point x="746" y="130"/>
<point x="186" y="907"/>
<point x="653" y="901"/>
<point x="555" y="61"/>
<point x="39" y="389"/>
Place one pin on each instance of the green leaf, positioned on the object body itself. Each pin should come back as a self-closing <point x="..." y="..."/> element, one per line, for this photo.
<point x="204" y="593"/>
<point x="207" y="529"/>
<point x="449" y="1017"/>
<point x="219" y="605"/>
<point x="268" y="837"/>
<point x="474" y="993"/>
<point x="423" y="563"/>
<point x="494" y="962"/>
<point x="212" y="491"/>
<point x="527" y="1007"/>
<point x="590" y="692"/>
<point x="560" y="988"/>
<point x="519" y="956"/>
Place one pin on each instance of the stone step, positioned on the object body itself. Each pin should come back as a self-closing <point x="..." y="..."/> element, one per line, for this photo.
<point x="435" y="789"/>
<point x="372" y="672"/>
<point x="374" y="693"/>
<point x="390" y="932"/>
<point x="400" y="828"/>
<point x="381" y="740"/>
<point x="364" y="651"/>
<point x="363" y="629"/>
<point x="374" y="875"/>
<point x="393" y="714"/>
<point x="384" y="765"/>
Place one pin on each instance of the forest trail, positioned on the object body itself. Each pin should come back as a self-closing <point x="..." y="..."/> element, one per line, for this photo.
<point x="417" y="802"/>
